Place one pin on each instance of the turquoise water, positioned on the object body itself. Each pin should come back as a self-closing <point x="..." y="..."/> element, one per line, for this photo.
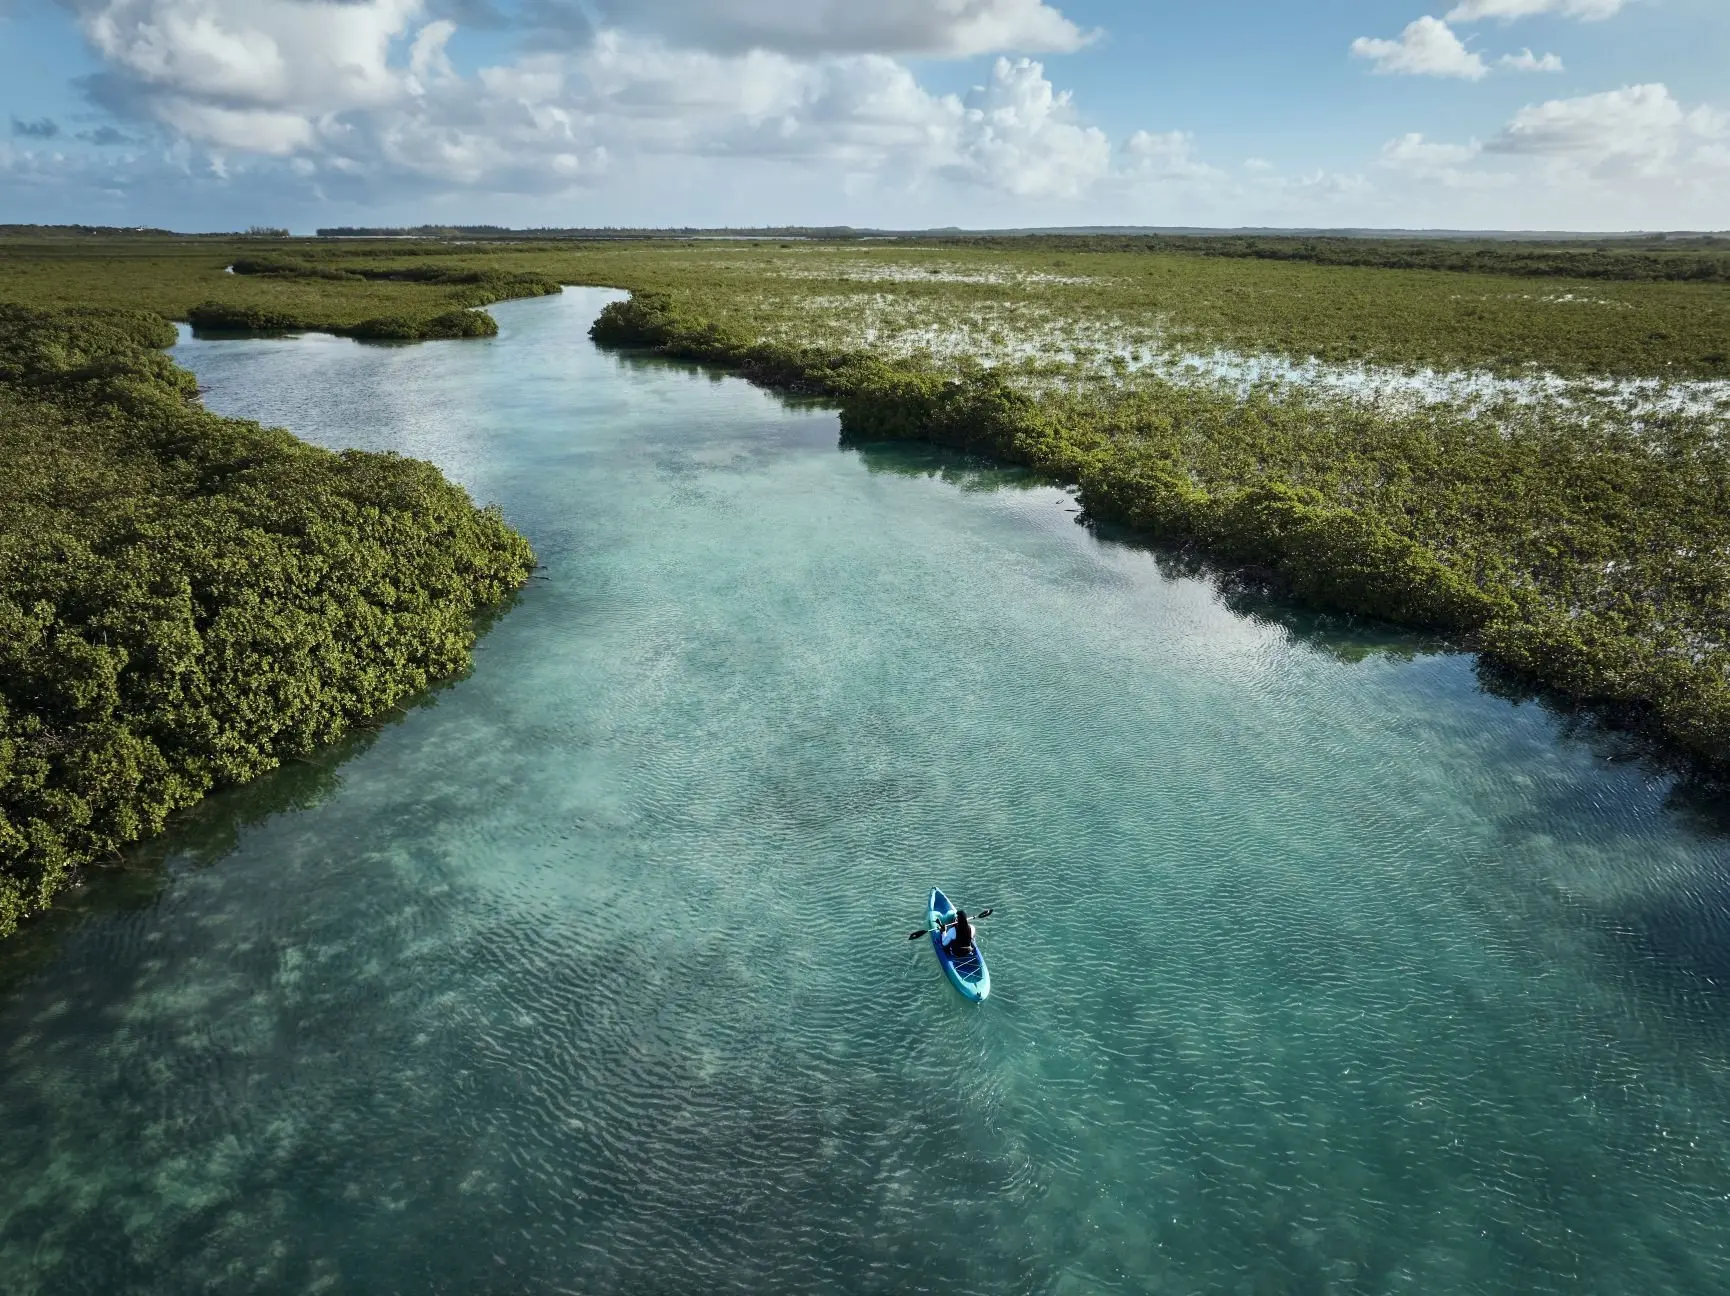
<point x="1316" y="968"/>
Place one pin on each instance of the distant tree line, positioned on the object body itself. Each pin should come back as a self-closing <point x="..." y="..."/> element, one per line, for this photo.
<point x="1693" y="258"/>
<point x="1701" y="259"/>
<point x="93" y="231"/>
<point x="500" y="233"/>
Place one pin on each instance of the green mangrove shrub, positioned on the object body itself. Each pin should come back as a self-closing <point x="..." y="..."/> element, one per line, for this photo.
<point x="493" y="284"/>
<point x="289" y="268"/>
<point x="468" y="288"/>
<point x="186" y="600"/>
<point x="1700" y="259"/>
<point x="451" y="324"/>
<point x="226" y="317"/>
<point x="220" y="317"/>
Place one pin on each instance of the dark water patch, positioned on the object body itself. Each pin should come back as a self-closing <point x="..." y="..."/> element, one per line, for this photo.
<point x="1619" y="735"/>
<point x="953" y="467"/>
<point x="1685" y="934"/>
<point x="1261" y="595"/>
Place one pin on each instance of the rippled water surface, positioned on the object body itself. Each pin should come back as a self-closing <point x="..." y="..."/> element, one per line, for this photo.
<point x="1316" y="968"/>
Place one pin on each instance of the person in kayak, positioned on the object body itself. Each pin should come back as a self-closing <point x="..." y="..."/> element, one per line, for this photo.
<point x="958" y="936"/>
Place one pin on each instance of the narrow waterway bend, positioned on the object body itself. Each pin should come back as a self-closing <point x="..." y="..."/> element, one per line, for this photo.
<point x="1316" y="967"/>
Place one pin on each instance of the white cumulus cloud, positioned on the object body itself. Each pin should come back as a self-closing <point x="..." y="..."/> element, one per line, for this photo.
<point x="808" y="27"/>
<point x="1639" y="128"/>
<point x="268" y="53"/>
<point x="1427" y="47"/>
<point x="1581" y="154"/>
<point x="363" y="94"/>
<point x="1167" y="155"/>
<point x="1020" y="135"/>
<point x="1436" y="163"/>
<point x="1414" y="153"/>
<point x="1526" y="61"/>
<point x="252" y="74"/>
<point x="1508" y="10"/>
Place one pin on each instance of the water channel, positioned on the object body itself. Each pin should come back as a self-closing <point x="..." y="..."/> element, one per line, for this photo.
<point x="1317" y="968"/>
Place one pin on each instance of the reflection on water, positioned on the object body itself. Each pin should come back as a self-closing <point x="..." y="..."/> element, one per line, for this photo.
<point x="962" y="471"/>
<point x="1318" y="968"/>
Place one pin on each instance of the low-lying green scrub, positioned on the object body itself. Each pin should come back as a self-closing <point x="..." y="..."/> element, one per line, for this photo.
<point x="272" y="267"/>
<point x="1699" y="259"/>
<point x="451" y="324"/>
<point x="186" y="600"/>
<point x="492" y="283"/>
<point x="219" y="318"/>
<point x="262" y="286"/>
<point x="1590" y="557"/>
<point x="474" y="288"/>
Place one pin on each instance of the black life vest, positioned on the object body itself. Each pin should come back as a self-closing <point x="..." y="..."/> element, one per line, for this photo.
<point x="963" y="942"/>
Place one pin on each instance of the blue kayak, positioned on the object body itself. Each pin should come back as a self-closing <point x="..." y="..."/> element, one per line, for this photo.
<point x="967" y="974"/>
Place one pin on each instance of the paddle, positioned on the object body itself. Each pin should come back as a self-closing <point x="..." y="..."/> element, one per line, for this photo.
<point x="925" y="931"/>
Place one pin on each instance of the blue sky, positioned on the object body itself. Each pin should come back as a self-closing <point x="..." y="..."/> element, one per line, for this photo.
<point x="197" y="114"/>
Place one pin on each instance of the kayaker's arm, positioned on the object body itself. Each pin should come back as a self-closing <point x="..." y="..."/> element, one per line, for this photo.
<point x="944" y="926"/>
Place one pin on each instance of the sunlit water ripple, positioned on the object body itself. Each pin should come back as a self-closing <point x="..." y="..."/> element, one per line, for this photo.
<point x="1316" y="968"/>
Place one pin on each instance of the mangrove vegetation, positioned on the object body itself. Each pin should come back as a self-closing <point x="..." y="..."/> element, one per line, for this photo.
<point x="1518" y="445"/>
<point x="187" y="600"/>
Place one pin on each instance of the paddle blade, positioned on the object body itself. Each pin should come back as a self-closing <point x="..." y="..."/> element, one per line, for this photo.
<point x="916" y="935"/>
